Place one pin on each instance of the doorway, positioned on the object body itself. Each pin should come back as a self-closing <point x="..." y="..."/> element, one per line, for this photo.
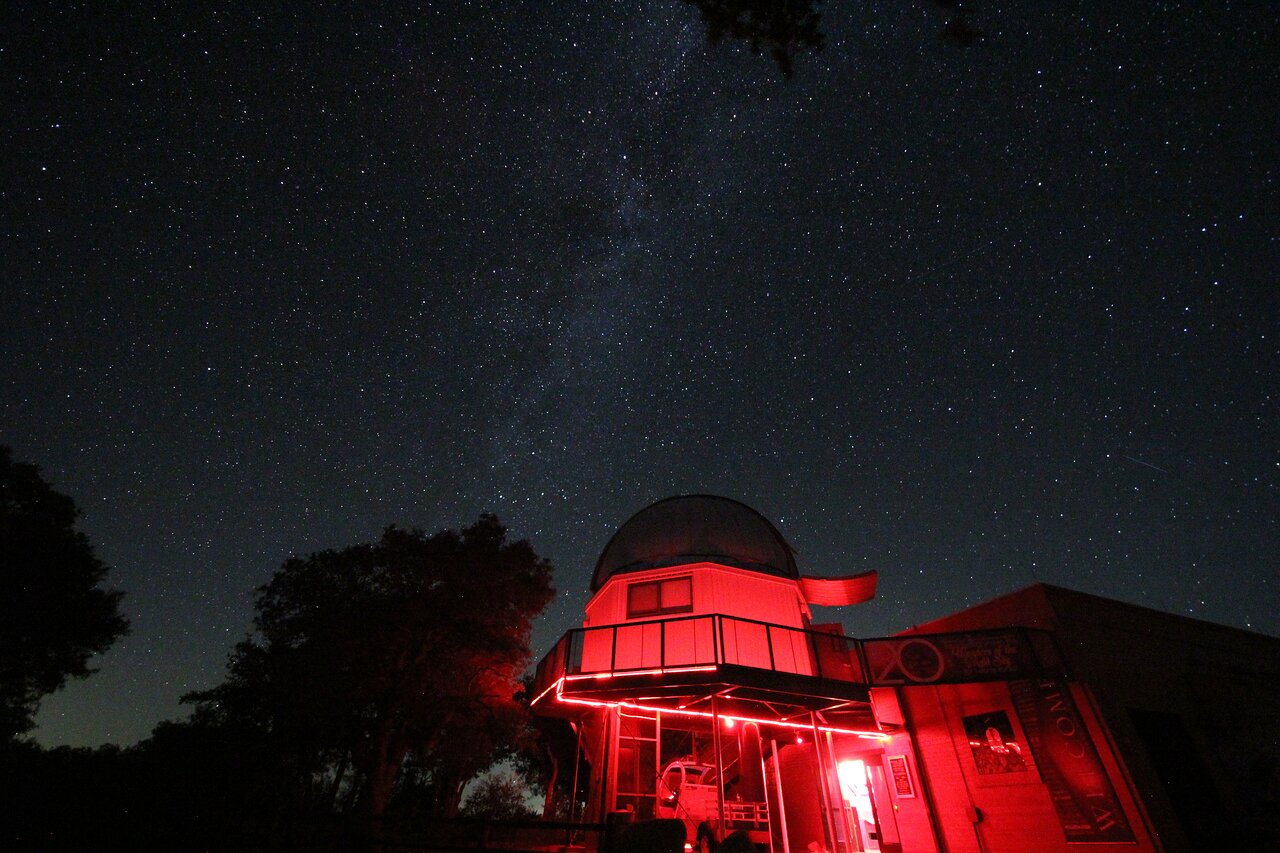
<point x="863" y="812"/>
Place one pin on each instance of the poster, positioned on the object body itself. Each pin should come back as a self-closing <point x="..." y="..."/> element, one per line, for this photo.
<point x="993" y="745"/>
<point x="901" y="773"/>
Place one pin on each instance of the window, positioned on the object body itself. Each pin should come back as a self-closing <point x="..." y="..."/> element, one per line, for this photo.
<point x="658" y="597"/>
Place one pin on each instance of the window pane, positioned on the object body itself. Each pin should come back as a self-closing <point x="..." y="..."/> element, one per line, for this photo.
<point x="642" y="598"/>
<point x="677" y="594"/>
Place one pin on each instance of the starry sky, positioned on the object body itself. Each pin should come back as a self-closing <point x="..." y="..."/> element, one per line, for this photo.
<point x="273" y="278"/>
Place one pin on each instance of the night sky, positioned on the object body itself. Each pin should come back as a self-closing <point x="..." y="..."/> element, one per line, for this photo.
<point x="975" y="317"/>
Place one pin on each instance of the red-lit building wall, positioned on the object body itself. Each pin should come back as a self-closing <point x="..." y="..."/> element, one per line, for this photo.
<point x="904" y="787"/>
<point x="1000" y="801"/>
<point x="1185" y="713"/>
<point x="747" y="598"/>
<point x="716" y="589"/>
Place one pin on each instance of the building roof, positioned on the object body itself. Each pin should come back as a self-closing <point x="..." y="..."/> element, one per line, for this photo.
<point x="693" y="529"/>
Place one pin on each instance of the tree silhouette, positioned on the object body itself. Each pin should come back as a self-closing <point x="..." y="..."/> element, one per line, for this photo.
<point x="393" y="660"/>
<point x="546" y="754"/>
<point x="498" y="796"/>
<point x="787" y="28"/>
<point x="784" y="28"/>
<point x="53" y="615"/>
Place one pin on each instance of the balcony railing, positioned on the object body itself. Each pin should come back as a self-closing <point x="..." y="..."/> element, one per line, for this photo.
<point x="715" y="640"/>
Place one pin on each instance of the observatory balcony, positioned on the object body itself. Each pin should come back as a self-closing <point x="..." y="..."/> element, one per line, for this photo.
<point x="679" y="657"/>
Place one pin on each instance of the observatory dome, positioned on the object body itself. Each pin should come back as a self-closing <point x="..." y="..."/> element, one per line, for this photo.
<point x="693" y="529"/>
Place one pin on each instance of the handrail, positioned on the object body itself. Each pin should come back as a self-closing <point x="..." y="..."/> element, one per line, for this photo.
<point x="983" y="655"/>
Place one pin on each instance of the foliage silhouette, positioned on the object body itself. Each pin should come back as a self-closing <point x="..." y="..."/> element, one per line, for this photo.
<point x="53" y="615"/>
<point x="187" y="787"/>
<point x="787" y="28"/>
<point x="784" y="28"/>
<point x="546" y="754"/>
<point x="64" y="798"/>
<point x="389" y="668"/>
<point x="498" y="796"/>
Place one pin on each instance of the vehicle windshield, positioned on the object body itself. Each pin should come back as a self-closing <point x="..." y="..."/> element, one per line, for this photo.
<point x="692" y="774"/>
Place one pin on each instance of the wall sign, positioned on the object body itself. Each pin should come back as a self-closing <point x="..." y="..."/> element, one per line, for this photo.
<point x="901" y="773"/>
<point x="997" y="655"/>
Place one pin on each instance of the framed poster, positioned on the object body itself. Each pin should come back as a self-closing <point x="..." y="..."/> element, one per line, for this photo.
<point x="901" y="773"/>
<point x="992" y="743"/>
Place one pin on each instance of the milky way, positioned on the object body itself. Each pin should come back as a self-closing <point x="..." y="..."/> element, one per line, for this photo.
<point x="973" y="317"/>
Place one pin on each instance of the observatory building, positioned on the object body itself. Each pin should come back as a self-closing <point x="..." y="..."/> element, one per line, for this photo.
<point x="701" y="690"/>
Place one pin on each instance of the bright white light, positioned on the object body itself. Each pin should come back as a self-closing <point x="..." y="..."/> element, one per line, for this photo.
<point x="853" y="786"/>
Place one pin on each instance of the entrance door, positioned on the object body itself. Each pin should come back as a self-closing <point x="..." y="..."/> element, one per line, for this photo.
<point x="864" y="797"/>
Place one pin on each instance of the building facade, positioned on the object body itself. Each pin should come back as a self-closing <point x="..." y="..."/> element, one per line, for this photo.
<point x="701" y="690"/>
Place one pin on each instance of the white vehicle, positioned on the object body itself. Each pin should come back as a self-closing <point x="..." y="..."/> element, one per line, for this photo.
<point x="689" y="790"/>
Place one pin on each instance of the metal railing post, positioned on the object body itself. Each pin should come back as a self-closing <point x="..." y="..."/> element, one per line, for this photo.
<point x="717" y="639"/>
<point x="864" y="669"/>
<point x="813" y="650"/>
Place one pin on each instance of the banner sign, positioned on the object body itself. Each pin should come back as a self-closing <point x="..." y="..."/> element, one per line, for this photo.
<point x="1083" y="796"/>
<point x="1002" y="655"/>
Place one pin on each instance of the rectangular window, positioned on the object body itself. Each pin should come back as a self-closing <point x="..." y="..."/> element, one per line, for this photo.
<point x="656" y="598"/>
